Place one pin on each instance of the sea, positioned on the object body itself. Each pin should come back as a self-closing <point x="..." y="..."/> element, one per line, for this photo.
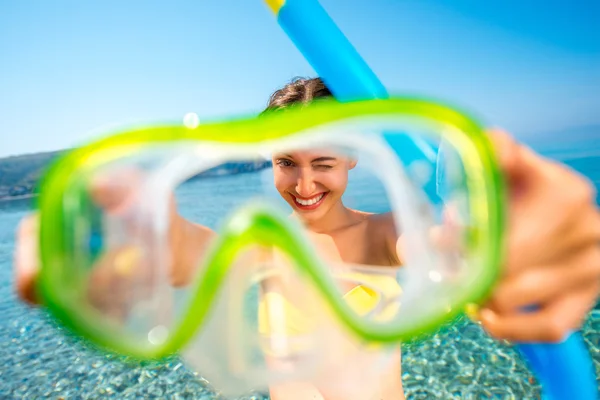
<point x="41" y="360"/>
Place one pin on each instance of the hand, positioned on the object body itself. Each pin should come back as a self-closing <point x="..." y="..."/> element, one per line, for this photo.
<point x="552" y="251"/>
<point x="113" y="196"/>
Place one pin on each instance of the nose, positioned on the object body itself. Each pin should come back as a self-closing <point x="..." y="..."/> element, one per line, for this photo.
<point x="305" y="185"/>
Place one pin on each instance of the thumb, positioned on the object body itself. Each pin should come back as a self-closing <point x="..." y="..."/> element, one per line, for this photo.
<point x="531" y="181"/>
<point x="515" y="163"/>
<point x="528" y="175"/>
<point x="26" y="262"/>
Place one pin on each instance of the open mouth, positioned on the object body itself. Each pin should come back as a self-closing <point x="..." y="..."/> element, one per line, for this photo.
<point x="310" y="203"/>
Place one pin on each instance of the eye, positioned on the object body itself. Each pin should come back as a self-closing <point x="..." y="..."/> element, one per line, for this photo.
<point x="323" y="167"/>
<point x="283" y="162"/>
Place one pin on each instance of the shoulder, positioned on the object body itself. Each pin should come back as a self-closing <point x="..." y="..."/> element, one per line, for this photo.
<point x="384" y="226"/>
<point x="384" y="222"/>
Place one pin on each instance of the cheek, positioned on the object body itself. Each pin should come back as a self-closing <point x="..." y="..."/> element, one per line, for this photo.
<point x="335" y="182"/>
<point x="281" y="181"/>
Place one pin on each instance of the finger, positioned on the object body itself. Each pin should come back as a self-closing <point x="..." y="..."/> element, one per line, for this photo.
<point x="537" y="286"/>
<point x="520" y="166"/>
<point x="119" y="196"/>
<point x="538" y="239"/>
<point x="552" y="220"/>
<point x="118" y="276"/>
<point x="26" y="260"/>
<point x="551" y="323"/>
<point x="116" y="191"/>
<point x="504" y="145"/>
<point x="508" y="153"/>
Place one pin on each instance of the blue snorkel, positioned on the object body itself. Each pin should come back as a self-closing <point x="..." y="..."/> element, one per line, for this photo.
<point x="565" y="369"/>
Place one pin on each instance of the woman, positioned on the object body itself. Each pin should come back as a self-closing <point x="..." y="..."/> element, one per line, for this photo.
<point x="552" y="255"/>
<point x="553" y="251"/>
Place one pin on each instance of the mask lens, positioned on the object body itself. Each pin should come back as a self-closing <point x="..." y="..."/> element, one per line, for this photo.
<point x="374" y="217"/>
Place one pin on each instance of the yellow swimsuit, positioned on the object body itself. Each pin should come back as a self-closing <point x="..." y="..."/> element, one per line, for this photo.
<point x="277" y="316"/>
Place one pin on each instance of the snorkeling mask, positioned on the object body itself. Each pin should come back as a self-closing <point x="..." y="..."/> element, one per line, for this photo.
<point x="260" y="297"/>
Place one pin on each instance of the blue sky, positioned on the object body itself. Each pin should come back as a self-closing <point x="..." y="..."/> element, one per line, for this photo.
<point x="71" y="69"/>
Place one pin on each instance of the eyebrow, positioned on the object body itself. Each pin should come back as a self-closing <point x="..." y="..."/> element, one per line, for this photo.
<point x="318" y="159"/>
<point x="321" y="159"/>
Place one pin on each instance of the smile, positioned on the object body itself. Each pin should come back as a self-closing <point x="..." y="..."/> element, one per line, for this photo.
<point x="310" y="203"/>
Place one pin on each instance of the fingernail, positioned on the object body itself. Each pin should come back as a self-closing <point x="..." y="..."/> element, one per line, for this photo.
<point x="126" y="260"/>
<point x="487" y="315"/>
<point x="26" y="256"/>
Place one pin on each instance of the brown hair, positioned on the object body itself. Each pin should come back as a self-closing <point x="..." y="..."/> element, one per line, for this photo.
<point x="298" y="91"/>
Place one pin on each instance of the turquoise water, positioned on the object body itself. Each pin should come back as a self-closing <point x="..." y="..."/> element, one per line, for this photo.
<point x="40" y="359"/>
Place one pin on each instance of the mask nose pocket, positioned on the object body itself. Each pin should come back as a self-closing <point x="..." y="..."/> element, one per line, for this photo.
<point x="263" y="325"/>
<point x="273" y="325"/>
<point x="293" y="318"/>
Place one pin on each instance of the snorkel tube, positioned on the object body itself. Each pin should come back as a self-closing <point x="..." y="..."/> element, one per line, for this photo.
<point x="565" y="370"/>
<point x="327" y="49"/>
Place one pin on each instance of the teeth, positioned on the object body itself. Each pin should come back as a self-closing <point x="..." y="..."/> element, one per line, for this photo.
<point x="309" y="202"/>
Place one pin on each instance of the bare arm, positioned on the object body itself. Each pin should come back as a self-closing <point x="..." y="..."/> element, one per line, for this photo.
<point x="189" y="242"/>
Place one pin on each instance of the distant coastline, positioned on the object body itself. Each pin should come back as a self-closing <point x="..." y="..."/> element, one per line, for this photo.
<point x="19" y="175"/>
<point x="21" y="197"/>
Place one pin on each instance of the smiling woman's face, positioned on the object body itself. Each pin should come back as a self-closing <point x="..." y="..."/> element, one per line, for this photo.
<point x="311" y="181"/>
